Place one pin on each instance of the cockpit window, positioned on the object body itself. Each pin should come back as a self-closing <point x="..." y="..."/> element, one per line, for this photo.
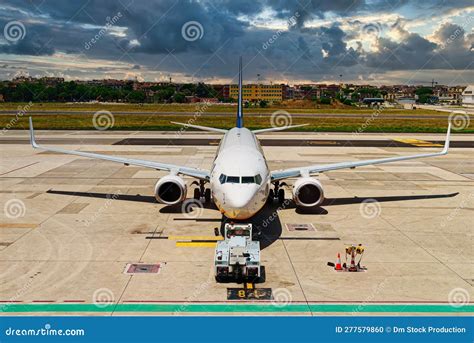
<point x="237" y="179"/>
<point x="233" y="179"/>
<point x="222" y="178"/>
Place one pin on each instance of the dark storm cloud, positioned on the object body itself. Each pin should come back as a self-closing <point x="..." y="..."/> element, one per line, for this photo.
<point x="148" y="36"/>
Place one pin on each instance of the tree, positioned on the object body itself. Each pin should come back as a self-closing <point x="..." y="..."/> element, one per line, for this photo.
<point x="136" y="96"/>
<point x="204" y="91"/>
<point x="179" y="97"/>
<point x="325" y="101"/>
<point x="263" y="103"/>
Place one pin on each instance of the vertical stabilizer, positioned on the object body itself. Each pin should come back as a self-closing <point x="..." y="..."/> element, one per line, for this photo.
<point x="240" y="115"/>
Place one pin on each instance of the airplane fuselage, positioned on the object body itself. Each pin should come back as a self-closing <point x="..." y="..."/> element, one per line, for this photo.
<point x="240" y="178"/>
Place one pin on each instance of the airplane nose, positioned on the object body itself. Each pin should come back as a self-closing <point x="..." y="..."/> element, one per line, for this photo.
<point x="239" y="200"/>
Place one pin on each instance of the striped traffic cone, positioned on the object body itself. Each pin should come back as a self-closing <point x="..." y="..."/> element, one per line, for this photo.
<point x="338" y="263"/>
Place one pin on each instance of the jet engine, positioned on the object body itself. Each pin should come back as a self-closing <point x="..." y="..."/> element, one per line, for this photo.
<point x="170" y="190"/>
<point x="308" y="192"/>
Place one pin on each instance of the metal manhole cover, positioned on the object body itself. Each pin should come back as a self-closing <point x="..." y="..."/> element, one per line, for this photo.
<point x="141" y="268"/>
<point x="300" y="227"/>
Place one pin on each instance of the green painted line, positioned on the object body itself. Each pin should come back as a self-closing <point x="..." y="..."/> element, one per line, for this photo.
<point x="234" y="308"/>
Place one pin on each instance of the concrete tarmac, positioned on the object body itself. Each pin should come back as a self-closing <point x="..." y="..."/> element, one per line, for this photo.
<point x="71" y="227"/>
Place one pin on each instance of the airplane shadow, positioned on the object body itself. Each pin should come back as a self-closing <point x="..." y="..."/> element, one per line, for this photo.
<point x="266" y="223"/>
<point x="358" y="200"/>
<point x="126" y="197"/>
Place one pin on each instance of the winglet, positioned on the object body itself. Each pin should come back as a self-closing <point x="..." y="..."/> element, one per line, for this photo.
<point x="446" y="142"/>
<point x="32" y="135"/>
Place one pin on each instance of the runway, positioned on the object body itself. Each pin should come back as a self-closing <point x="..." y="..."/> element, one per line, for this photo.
<point x="198" y="139"/>
<point x="247" y="114"/>
<point x="71" y="227"/>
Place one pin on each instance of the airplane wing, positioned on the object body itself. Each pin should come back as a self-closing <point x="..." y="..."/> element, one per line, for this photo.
<point x="306" y="171"/>
<point x="193" y="172"/>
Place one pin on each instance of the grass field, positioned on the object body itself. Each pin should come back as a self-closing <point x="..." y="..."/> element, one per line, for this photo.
<point x="156" y="122"/>
<point x="213" y="108"/>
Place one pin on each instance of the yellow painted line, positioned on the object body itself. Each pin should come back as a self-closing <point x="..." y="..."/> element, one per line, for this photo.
<point x="18" y="225"/>
<point x="199" y="238"/>
<point x="196" y="244"/>
<point x="249" y="285"/>
<point x="417" y="142"/>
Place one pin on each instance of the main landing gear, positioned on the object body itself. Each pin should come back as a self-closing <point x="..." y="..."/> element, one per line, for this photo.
<point x="277" y="193"/>
<point x="201" y="191"/>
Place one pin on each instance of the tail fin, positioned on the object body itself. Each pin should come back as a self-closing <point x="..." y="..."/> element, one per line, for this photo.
<point x="240" y="115"/>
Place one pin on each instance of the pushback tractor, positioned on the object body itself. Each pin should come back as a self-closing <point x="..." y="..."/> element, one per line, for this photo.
<point x="237" y="257"/>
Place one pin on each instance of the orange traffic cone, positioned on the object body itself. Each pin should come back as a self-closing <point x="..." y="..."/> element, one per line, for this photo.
<point x="338" y="263"/>
<point x="353" y="267"/>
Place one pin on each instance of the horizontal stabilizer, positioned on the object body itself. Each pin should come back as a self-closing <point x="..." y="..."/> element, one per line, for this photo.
<point x="199" y="127"/>
<point x="278" y="128"/>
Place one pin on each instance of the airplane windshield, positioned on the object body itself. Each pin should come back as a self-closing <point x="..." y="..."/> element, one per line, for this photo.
<point x="237" y="179"/>
<point x="232" y="179"/>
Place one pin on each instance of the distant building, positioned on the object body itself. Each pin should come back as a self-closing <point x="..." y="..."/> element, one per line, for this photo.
<point x="52" y="81"/>
<point x="257" y="92"/>
<point x="468" y="96"/>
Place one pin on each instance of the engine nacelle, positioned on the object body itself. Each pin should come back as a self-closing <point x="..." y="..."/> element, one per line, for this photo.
<point x="170" y="190"/>
<point x="308" y="192"/>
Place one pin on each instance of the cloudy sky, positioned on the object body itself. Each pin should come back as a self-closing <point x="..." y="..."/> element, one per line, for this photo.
<point x="360" y="41"/>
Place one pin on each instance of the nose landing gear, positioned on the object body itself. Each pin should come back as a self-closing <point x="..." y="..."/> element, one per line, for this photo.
<point x="201" y="191"/>
<point x="277" y="193"/>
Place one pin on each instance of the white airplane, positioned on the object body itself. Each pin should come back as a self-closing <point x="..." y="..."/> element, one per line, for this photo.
<point x="240" y="182"/>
